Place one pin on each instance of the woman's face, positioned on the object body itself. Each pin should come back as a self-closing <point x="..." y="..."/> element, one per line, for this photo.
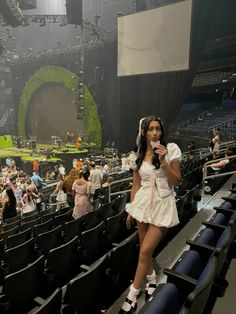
<point x="154" y="132"/>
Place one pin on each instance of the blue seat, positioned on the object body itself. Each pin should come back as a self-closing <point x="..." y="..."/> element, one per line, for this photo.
<point x="166" y="300"/>
<point x="216" y="239"/>
<point x="230" y="218"/>
<point x="183" y="293"/>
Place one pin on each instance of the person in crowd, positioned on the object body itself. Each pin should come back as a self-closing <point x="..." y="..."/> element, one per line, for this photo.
<point x="8" y="205"/>
<point x="191" y="147"/>
<point x="216" y="166"/>
<point x="95" y="178"/>
<point x="124" y="163"/>
<point x="36" y="165"/>
<point x="18" y="194"/>
<point x="37" y="180"/>
<point x="107" y="182"/>
<point x="67" y="186"/>
<point x="79" y="164"/>
<point x="62" y="171"/>
<point x="105" y="169"/>
<point x="8" y="162"/>
<point x="59" y="193"/>
<point x="156" y="170"/>
<point x="215" y="144"/>
<point x="82" y="191"/>
<point x="28" y="201"/>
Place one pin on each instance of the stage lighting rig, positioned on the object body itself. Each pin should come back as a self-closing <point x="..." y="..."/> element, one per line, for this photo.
<point x="11" y="12"/>
<point x="27" y="4"/>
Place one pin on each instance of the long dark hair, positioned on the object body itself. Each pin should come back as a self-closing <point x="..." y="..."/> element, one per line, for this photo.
<point x="11" y="197"/>
<point x="142" y="147"/>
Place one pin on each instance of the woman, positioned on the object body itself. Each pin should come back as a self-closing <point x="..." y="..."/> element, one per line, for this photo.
<point x="156" y="170"/>
<point x="61" y="195"/>
<point x="8" y="205"/>
<point x="67" y="186"/>
<point x="83" y="191"/>
<point x="215" y="144"/>
<point x="28" y="201"/>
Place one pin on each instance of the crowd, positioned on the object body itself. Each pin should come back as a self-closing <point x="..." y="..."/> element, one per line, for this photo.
<point x="22" y="193"/>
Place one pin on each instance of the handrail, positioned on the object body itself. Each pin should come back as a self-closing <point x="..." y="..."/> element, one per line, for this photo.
<point x="114" y="182"/>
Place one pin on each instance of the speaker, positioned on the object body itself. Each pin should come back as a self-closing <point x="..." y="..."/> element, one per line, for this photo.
<point x="74" y="11"/>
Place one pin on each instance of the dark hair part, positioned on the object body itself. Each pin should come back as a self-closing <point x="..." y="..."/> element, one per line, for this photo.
<point x="143" y="141"/>
<point x="12" y="198"/>
<point x="86" y="174"/>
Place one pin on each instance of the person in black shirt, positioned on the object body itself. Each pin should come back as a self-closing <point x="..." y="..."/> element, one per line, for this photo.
<point x="9" y="205"/>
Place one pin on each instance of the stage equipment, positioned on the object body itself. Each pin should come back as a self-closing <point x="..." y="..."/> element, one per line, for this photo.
<point x="11" y="12"/>
<point x="74" y="12"/>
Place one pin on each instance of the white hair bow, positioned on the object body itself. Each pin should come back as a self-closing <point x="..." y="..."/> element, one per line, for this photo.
<point x="139" y="134"/>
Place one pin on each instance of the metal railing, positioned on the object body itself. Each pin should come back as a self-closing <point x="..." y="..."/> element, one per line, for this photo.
<point x="116" y="182"/>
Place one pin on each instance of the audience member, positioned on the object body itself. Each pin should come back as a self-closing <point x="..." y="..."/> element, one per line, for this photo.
<point x="95" y="178"/>
<point x="28" y="201"/>
<point x="8" y="205"/>
<point x="59" y="193"/>
<point x="215" y="144"/>
<point x="82" y="191"/>
<point x="215" y="167"/>
<point x="67" y="186"/>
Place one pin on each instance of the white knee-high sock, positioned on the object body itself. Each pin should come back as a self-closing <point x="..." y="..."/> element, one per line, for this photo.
<point x="132" y="295"/>
<point x="152" y="278"/>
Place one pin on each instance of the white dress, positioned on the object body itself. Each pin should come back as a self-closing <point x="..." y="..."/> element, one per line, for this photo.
<point x="154" y="202"/>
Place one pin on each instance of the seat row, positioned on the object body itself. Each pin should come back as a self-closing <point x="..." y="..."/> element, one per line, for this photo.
<point x="37" y="288"/>
<point x="198" y="277"/>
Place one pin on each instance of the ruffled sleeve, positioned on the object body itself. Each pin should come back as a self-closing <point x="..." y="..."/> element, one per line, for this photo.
<point x="132" y="161"/>
<point x="174" y="152"/>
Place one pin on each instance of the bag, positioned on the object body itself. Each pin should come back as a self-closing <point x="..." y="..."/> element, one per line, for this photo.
<point x="211" y="144"/>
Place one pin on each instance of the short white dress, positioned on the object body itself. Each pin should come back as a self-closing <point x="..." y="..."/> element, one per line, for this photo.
<point x="154" y="202"/>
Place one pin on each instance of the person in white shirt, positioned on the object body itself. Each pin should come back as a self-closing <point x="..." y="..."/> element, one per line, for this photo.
<point x="95" y="178"/>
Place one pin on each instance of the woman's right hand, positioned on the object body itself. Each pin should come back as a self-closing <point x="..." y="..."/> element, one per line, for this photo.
<point x="129" y="221"/>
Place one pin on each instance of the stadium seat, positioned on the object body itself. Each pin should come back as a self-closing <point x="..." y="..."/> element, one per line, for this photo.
<point x="91" y="244"/>
<point x="51" y="305"/>
<point x="86" y="293"/>
<point x="20" y="288"/>
<point x="63" y="263"/>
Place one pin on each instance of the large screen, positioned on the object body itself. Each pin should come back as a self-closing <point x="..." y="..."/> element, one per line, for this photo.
<point x="49" y="7"/>
<point x="156" y="40"/>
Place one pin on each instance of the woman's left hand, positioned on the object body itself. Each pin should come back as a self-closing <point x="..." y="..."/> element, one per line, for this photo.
<point x="161" y="151"/>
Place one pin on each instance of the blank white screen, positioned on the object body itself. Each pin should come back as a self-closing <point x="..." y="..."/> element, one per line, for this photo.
<point x="156" y="40"/>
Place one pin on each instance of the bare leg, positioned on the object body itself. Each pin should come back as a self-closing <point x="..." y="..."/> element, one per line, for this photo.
<point x="149" y="241"/>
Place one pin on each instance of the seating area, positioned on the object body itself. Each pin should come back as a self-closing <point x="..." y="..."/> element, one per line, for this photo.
<point x="211" y="117"/>
<point x="55" y="250"/>
<point x="98" y="248"/>
<point x="197" y="278"/>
